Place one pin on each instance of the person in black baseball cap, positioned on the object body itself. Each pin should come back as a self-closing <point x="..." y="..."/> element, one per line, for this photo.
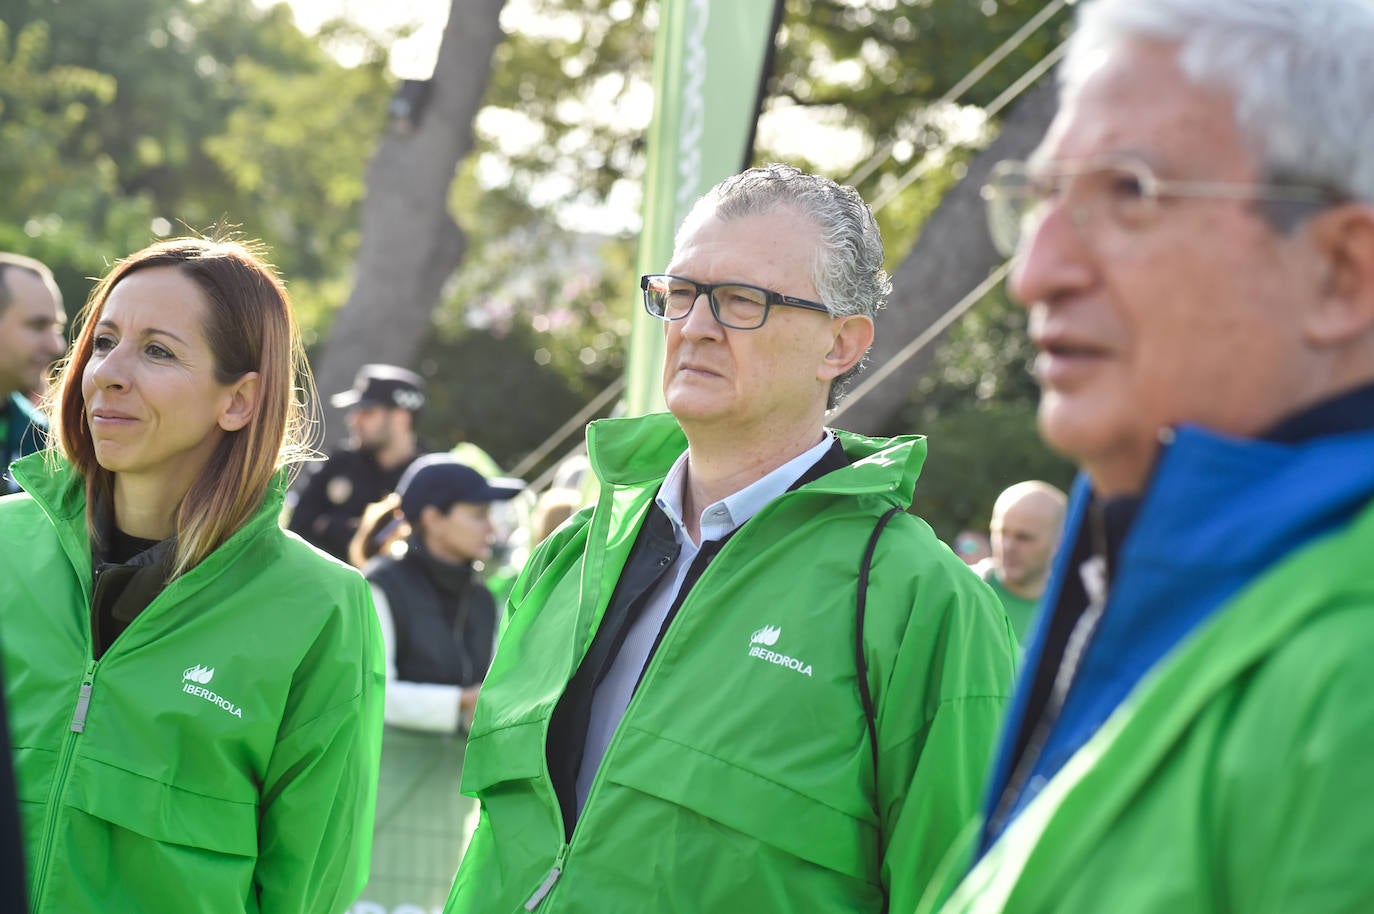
<point x="440" y="481"/>
<point x="381" y="406"/>
<point x="438" y="617"/>
<point x="438" y="620"/>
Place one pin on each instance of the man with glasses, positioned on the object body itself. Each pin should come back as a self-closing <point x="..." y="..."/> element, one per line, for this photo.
<point x="726" y="687"/>
<point x="1194" y="244"/>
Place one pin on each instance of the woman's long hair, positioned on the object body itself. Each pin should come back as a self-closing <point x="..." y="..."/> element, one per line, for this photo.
<point x="249" y="327"/>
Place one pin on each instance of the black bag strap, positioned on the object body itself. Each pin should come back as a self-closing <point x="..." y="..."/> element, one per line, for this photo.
<point x="861" y="601"/>
<point x="859" y="662"/>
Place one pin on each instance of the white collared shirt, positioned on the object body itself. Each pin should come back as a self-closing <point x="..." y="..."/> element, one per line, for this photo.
<point x="717" y="520"/>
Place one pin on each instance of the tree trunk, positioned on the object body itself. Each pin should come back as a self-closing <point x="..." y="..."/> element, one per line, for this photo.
<point x="952" y="255"/>
<point x="410" y="243"/>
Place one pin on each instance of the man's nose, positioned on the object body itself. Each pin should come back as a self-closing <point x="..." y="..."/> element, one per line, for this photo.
<point x="1053" y="258"/>
<point x="701" y="320"/>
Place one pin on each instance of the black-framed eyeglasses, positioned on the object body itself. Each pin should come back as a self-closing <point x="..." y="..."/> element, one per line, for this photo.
<point x="735" y="304"/>
<point x="1120" y="191"/>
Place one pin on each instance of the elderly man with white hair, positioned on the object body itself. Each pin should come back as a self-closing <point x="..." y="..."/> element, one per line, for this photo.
<point x="1194" y="243"/>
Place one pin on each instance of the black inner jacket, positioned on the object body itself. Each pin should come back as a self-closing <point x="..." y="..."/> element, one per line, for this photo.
<point x="654" y="551"/>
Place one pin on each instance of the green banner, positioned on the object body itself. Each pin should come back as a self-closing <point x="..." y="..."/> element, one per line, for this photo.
<point x="709" y="57"/>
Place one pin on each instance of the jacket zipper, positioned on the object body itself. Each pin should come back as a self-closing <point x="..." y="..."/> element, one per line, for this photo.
<point x="59" y="785"/>
<point x="556" y="871"/>
<point x="549" y="880"/>
<point x="559" y="864"/>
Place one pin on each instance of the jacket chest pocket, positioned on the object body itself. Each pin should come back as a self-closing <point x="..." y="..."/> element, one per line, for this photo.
<point x="509" y="754"/>
<point x="749" y="802"/>
<point x="151" y="846"/>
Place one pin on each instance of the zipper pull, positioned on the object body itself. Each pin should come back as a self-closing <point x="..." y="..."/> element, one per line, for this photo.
<point x="547" y="885"/>
<point x="83" y="700"/>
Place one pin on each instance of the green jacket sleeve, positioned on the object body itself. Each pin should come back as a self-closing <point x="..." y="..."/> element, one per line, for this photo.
<point x="320" y="792"/>
<point x="940" y="711"/>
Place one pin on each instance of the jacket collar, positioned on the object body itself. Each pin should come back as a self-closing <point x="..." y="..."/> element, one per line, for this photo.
<point x="640" y="450"/>
<point x="1219" y="513"/>
<point x="61" y="493"/>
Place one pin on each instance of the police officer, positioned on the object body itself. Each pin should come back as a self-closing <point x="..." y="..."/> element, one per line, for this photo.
<point x="381" y="409"/>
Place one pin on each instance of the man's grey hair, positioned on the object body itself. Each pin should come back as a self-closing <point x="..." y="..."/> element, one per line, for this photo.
<point x="1301" y="73"/>
<point x="24" y="264"/>
<point x="848" y="273"/>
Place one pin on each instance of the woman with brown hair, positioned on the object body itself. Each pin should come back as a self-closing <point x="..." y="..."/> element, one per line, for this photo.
<point x="195" y="694"/>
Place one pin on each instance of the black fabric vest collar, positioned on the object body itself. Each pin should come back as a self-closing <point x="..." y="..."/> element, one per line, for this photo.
<point x="444" y="617"/>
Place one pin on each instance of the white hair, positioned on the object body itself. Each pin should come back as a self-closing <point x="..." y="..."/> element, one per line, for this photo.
<point x="1301" y="73"/>
<point x="848" y="272"/>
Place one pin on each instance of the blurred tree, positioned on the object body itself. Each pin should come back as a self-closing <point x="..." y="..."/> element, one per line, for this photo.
<point x="952" y="256"/>
<point x="56" y="207"/>
<point x="410" y="243"/>
<point x="151" y="117"/>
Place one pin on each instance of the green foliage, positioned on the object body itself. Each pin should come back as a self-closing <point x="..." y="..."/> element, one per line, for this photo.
<point x="977" y="408"/>
<point x="487" y="387"/>
<point x="985" y="359"/>
<point x="128" y="119"/>
<point x="974" y="454"/>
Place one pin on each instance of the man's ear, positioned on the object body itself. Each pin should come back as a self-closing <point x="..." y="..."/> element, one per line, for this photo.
<point x="851" y="335"/>
<point x="429" y="516"/>
<point x="243" y="402"/>
<point x="1344" y="311"/>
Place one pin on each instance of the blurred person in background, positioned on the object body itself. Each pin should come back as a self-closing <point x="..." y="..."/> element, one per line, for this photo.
<point x="552" y="507"/>
<point x="32" y="323"/>
<point x="195" y="695"/>
<point x="438" y="622"/>
<point x="438" y="619"/>
<point x="381" y="410"/>
<point x="550" y="510"/>
<point x="1027" y="519"/>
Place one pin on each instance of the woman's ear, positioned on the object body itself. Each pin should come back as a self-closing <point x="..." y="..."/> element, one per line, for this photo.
<point x="242" y="404"/>
<point x="852" y="334"/>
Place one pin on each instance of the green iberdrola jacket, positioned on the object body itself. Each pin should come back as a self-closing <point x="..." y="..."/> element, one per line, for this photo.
<point x="740" y="778"/>
<point x="1237" y="777"/>
<point x="221" y="756"/>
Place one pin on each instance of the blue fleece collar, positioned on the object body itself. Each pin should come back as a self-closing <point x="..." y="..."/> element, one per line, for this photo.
<point x="1219" y="512"/>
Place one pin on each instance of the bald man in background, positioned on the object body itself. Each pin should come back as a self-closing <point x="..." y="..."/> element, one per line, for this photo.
<point x="1027" y="519"/>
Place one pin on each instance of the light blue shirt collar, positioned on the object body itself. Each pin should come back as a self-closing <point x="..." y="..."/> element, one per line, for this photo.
<point x="720" y="518"/>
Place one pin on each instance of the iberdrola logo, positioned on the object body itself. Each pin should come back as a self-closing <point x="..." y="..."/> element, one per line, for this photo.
<point x="767" y="635"/>
<point x="199" y="674"/>
<point x="193" y="680"/>
<point x="760" y="642"/>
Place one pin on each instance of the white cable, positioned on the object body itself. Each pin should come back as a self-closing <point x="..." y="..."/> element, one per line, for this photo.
<point x="1012" y="92"/>
<point x="910" y="349"/>
<point x="956" y="91"/>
